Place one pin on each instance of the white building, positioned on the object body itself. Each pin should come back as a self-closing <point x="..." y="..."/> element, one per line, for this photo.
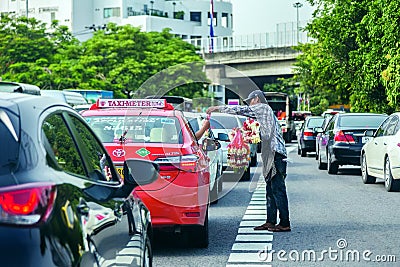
<point x="189" y="19"/>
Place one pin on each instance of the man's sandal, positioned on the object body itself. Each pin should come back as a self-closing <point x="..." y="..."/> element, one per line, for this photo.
<point x="264" y="226"/>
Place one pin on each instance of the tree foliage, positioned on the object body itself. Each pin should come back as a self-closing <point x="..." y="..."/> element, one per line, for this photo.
<point x="355" y="57"/>
<point x="120" y="58"/>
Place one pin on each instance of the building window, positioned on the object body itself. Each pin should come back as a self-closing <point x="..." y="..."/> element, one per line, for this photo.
<point x="112" y="12"/>
<point x="130" y="11"/>
<point x="214" y="19"/>
<point x="225" y="21"/>
<point x="53" y="16"/>
<point x="195" y="16"/>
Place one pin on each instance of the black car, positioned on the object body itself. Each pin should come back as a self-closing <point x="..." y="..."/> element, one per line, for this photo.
<point x="307" y="134"/>
<point x="62" y="203"/>
<point x="341" y="141"/>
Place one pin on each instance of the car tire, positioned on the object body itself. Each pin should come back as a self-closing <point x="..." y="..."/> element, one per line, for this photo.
<point x="366" y="178"/>
<point x="333" y="167"/>
<point x="220" y="179"/>
<point x="391" y="185"/>
<point x="253" y="161"/>
<point x="214" y="193"/>
<point x="198" y="234"/>
<point x="246" y="175"/>
<point x="148" y="254"/>
<point x="321" y="165"/>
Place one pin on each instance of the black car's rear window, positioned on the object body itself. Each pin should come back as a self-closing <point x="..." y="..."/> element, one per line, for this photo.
<point x="364" y="121"/>
<point x="9" y="144"/>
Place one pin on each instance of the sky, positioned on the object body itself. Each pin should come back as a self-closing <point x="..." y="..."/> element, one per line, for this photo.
<point x="260" y="16"/>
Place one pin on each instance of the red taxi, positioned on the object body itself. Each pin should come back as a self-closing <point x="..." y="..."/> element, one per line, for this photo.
<point x="151" y="129"/>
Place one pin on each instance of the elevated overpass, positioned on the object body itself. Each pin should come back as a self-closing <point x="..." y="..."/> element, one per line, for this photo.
<point x="264" y="64"/>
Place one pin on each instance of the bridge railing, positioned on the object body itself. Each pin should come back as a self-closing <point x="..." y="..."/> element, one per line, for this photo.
<point x="283" y="37"/>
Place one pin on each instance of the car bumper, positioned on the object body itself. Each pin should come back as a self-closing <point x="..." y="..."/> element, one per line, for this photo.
<point x="346" y="154"/>
<point x="182" y="202"/>
<point x="308" y="145"/>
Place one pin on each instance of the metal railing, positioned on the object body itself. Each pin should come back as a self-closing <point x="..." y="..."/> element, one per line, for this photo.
<point x="285" y="36"/>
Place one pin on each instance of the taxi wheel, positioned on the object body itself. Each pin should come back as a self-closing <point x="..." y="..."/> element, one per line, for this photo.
<point x="367" y="179"/>
<point x="214" y="192"/>
<point x="148" y="254"/>
<point x="246" y="175"/>
<point x="198" y="234"/>
<point x="253" y="161"/>
<point x="391" y="184"/>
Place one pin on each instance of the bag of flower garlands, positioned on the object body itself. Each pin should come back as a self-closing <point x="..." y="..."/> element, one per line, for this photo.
<point x="251" y="131"/>
<point x="238" y="152"/>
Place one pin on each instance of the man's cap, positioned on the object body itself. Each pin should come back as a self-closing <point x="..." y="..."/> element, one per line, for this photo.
<point x="254" y="94"/>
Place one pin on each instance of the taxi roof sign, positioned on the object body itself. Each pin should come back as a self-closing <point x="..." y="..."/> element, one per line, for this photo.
<point x="131" y="103"/>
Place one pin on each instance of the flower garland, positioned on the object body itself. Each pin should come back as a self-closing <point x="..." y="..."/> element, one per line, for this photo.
<point x="239" y="149"/>
<point x="251" y="131"/>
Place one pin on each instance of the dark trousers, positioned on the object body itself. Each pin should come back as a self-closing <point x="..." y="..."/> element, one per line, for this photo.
<point x="276" y="193"/>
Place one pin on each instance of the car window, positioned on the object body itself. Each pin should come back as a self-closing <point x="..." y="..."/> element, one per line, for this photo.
<point x="315" y="122"/>
<point x="390" y="130"/>
<point x="194" y="124"/>
<point x="397" y="127"/>
<point x="331" y="124"/>
<point x="10" y="135"/>
<point x="223" y="122"/>
<point x="134" y="129"/>
<point x="62" y="153"/>
<point x="369" y="121"/>
<point x="97" y="159"/>
<point x="382" y="128"/>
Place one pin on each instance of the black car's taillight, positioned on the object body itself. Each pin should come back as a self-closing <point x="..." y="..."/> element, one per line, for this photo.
<point x="341" y="137"/>
<point x="26" y="204"/>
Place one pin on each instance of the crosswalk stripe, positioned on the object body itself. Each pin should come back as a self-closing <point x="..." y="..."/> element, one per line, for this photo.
<point x="250" y="243"/>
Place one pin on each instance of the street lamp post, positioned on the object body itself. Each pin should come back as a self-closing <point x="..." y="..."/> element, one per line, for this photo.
<point x="173" y="13"/>
<point x="26" y="5"/>
<point x="298" y="5"/>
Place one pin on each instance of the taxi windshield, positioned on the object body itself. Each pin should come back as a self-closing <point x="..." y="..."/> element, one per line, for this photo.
<point x="136" y="129"/>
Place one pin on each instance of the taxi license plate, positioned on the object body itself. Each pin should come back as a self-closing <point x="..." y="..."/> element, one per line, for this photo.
<point x="366" y="139"/>
<point x="120" y="170"/>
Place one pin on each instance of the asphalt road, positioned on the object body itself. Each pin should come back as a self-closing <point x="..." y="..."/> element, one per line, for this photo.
<point x="336" y="221"/>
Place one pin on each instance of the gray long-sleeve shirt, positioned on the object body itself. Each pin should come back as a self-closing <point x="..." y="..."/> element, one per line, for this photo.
<point x="270" y="130"/>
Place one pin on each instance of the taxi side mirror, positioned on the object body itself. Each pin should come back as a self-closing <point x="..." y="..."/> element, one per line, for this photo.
<point x="210" y="144"/>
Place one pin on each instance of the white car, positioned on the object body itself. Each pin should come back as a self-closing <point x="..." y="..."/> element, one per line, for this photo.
<point x="380" y="156"/>
<point x="216" y="182"/>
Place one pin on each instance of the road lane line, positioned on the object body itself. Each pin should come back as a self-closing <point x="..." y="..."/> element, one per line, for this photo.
<point x="248" y="243"/>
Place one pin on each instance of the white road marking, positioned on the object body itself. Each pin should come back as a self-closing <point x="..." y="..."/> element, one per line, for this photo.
<point x="250" y="243"/>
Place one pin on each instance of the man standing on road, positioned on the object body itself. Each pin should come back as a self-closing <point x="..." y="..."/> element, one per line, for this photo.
<point x="273" y="154"/>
